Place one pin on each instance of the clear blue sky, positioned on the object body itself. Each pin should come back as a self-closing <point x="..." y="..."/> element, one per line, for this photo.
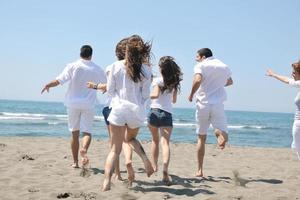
<point x="39" y="37"/>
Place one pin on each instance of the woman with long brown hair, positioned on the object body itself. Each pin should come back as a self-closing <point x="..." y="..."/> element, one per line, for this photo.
<point x="295" y="82"/>
<point x="129" y="85"/>
<point x="160" y="122"/>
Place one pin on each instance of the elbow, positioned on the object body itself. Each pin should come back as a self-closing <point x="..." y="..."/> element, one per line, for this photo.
<point x="153" y="96"/>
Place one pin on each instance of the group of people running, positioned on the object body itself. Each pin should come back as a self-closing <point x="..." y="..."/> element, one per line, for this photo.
<point x="127" y="83"/>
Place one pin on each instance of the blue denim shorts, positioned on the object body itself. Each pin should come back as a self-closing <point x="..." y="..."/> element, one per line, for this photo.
<point x="105" y="112"/>
<point x="160" y="118"/>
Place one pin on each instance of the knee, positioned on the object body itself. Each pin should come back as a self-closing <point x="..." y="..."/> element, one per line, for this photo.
<point x="87" y="134"/>
<point x="155" y="140"/>
<point x="165" y="143"/>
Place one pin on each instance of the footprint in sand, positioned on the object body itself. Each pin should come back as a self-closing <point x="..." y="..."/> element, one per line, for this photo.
<point x="2" y="146"/>
<point x="26" y="157"/>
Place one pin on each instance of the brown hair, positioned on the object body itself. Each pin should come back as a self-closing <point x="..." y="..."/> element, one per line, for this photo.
<point x="296" y="67"/>
<point x="171" y="74"/>
<point x="137" y="51"/>
<point x="121" y="48"/>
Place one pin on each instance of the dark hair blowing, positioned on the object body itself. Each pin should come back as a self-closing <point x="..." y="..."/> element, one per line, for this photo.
<point x="86" y="51"/>
<point x="171" y="74"/>
<point x="205" y="52"/>
<point x="121" y="48"/>
<point x="137" y="51"/>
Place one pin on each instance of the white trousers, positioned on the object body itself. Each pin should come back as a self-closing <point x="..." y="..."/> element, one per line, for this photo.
<point x="296" y="137"/>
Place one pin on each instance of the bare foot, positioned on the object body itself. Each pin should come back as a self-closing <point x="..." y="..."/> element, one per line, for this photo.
<point x="149" y="169"/>
<point x="105" y="185"/>
<point x="85" y="159"/>
<point x="74" y="165"/>
<point x="166" y="179"/>
<point x="222" y="138"/>
<point x="130" y="173"/>
<point x="118" y="176"/>
<point x="155" y="168"/>
<point x="199" y="173"/>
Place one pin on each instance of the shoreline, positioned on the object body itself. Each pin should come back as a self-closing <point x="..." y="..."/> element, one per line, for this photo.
<point x="102" y="139"/>
<point x="38" y="168"/>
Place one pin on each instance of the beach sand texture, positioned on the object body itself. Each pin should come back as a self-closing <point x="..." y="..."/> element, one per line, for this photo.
<point x="39" y="168"/>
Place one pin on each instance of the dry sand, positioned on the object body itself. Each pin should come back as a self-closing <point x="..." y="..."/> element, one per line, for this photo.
<point x="38" y="168"/>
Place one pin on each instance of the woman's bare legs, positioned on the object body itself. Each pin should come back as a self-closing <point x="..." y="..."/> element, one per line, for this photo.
<point x="154" y="146"/>
<point x="130" y="139"/>
<point x="117" y="164"/>
<point x="117" y="138"/>
<point x="165" y="144"/>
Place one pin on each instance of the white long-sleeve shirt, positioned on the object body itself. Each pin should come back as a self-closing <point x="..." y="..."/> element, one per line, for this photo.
<point x="120" y="85"/>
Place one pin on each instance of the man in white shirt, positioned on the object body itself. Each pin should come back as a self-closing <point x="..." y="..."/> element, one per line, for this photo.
<point x="80" y="100"/>
<point x="210" y="77"/>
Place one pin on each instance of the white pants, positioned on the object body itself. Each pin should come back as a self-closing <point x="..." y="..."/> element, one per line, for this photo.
<point x="81" y="119"/>
<point x="213" y="114"/>
<point x="296" y="137"/>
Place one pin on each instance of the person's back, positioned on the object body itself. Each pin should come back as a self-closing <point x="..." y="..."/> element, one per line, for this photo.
<point x="124" y="88"/>
<point x="79" y="73"/>
<point x="214" y="78"/>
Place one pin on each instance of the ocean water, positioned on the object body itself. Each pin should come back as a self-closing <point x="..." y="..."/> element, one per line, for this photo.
<point x="30" y="118"/>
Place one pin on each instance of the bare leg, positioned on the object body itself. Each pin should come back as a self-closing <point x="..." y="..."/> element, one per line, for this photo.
<point x="128" y="162"/>
<point x="86" y="141"/>
<point x="165" y="143"/>
<point x="200" y="154"/>
<point x="154" y="146"/>
<point x="137" y="147"/>
<point x="117" y="138"/>
<point x="222" y="138"/>
<point x="75" y="148"/>
<point x="117" y="164"/>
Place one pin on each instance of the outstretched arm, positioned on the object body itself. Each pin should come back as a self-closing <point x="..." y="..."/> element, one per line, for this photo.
<point x="155" y="92"/>
<point x="99" y="86"/>
<point x="195" y="86"/>
<point x="53" y="83"/>
<point x="277" y="76"/>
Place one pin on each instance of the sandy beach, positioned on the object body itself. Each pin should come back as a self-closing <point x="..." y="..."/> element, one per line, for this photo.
<point x="39" y="168"/>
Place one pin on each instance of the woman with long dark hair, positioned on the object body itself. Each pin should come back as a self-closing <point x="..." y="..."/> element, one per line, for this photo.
<point x="160" y="122"/>
<point x="129" y="86"/>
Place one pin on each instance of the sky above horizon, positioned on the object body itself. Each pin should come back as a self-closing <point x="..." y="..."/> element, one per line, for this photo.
<point x="40" y="37"/>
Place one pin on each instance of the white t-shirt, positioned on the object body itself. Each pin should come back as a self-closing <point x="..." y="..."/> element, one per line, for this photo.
<point x="214" y="78"/>
<point x="79" y="73"/>
<point x="164" y="100"/>
<point x="120" y="85"/>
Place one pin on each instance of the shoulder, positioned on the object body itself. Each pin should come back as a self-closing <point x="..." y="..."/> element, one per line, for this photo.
<point x="117" y="67"/>
<point x="147" y="71"/>
<point x="198" y="68"/>
<point x="157" y="81"/>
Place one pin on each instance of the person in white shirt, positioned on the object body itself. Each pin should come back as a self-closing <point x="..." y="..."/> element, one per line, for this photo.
<point x="129" y="85"/>
<point x="295" y="82"/>
<point x="80" y="100"/>
<point x="164" y="93"/>
<point x="210" y="77"/>
<point x="120" y="54"/>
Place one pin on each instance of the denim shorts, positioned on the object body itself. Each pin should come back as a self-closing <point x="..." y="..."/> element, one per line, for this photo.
<point x="160" y="118"/>
<point x="105" y="112"/>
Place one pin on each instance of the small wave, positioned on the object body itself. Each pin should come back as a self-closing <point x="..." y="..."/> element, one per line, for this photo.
<point x="184" y="124"/>
<point x="31" y="116"/>
<point x="19" y="117"/>
<point x="250" y="127"/>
